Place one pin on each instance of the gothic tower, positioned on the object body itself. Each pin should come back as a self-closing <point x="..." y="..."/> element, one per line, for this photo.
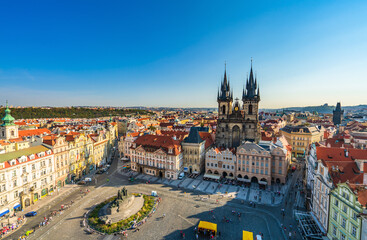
<point x="338" y="114"/>
<point x="236" y="124"/>
<point x="251" y="97"/>
<point x="224" y="98"/>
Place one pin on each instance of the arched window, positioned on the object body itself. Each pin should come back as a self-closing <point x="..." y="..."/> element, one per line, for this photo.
<point x="250" y="109"/>
<point x="223" y="109"/>
<point x="12" y="133"/>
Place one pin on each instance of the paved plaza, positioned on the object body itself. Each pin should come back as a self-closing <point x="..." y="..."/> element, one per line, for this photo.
<point x="184" y="202"/>
<point x="272" y="196"/>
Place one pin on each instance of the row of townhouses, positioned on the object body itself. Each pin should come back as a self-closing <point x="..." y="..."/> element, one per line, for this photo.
<point x="337" y="181"/>
<point x="40" y="161"/>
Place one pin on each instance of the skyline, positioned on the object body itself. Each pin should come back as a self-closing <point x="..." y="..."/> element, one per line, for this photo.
<point x="172" y="55"/>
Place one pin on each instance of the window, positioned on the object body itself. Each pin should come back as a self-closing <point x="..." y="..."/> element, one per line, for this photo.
<point x="15" y="183"/>
<point x="342" y="236"/>
<point x="345" y="208"/>
<point x="354" y="216"/>
<point x="336" y="202"/>
<point x="334" y="230"/>
<point x="344" y="222"/>
<point x="280" y="171"/>
<point x="335" y="216"/>
<point x="266" y="172"/>
<point x="354" y="231"/>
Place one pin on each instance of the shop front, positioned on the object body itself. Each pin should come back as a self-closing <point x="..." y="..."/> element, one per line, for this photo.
<point x="44" y="192"/>
<point x="17" y="207"/>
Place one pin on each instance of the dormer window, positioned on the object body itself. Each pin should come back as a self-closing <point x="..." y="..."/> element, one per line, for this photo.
<point x="170" y="150"/>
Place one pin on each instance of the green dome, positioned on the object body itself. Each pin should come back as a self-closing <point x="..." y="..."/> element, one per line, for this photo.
<point x="8" y="119"/>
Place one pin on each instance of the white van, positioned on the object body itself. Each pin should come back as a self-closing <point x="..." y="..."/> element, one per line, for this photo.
<point x="87" y="179"/>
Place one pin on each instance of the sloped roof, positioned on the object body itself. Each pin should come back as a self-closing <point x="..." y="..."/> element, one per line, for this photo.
<point x="23" y="152"/>
<point x="33" y="132"/>
<point x="194" y="136"/>
<point x="209" y="141"/>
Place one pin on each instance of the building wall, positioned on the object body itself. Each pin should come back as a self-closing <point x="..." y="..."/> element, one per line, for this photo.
<point x="27" y="182"/>
<point x="220" y="163"/>
<point x="254" y="164"/>
<point x="157" y="163"/>
<point x="320" y="196"/>
<point x="193" y="156"/>
<point x="344" y="209"/>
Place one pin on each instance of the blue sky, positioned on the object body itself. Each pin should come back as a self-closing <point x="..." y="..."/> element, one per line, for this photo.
<point x="172" y="53"/>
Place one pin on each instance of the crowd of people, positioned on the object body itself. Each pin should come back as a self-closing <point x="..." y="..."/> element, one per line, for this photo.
<point x="10" y="227"/>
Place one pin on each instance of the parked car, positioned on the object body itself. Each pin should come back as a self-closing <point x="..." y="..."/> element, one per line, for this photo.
<point x="100" y="171"/>
<point x="31" y="214"/>
<point x="82" y="182"/>
<point x="181" y="175"/>
<point x="87" y="179"/>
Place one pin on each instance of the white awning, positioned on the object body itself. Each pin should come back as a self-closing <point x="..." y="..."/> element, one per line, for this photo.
<point x="244" y="179"/>
<point x="263" y="183"/>
<point x="213" y="176"/>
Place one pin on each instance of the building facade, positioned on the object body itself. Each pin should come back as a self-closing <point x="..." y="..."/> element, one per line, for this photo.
<point x="322" y="185"/>
<point x="26" y="176"/>
<point x="300" y="137"/>
<point x="157" y="156"/>
<point x="345" y="209"/>
<point x="238" y="123"/>
<point x="221" y="163"/>
<point x="193" y="149"/>
<point x="60" y="148"/>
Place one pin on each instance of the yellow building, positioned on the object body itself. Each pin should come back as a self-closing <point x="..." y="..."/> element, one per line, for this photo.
<point x="301" y="136"/>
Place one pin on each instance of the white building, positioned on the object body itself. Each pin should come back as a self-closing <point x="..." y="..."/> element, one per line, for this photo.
<point x="220" y="163"/>
<point x="157" y="155"/>
<point x="322" y="185"/>
<point x="26" y="176"/>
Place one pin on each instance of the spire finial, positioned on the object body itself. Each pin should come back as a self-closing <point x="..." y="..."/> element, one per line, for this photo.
<point x="225" y="65"/>
<point x="251" y="62"/>
<point x="6" y="103"/>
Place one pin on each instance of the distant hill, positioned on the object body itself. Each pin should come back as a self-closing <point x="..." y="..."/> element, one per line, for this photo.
<point x="320" y="109"/>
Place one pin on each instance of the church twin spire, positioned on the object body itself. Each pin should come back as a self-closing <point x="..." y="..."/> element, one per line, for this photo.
<point x="252" y="91"/>
<point x="225" y="93"/>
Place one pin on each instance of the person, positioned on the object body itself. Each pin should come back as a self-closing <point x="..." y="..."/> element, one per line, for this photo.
<point x="164" y="215"/>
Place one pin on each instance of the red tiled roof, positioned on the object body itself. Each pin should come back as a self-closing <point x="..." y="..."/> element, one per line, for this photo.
<point x="341" y="163"/>
<point x="154" y="142"/>
<point x="208" y="139"/>
<point x="33" y="132"/>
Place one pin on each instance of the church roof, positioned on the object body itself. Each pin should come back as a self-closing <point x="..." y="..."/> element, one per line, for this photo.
<point x="8" y="119"/>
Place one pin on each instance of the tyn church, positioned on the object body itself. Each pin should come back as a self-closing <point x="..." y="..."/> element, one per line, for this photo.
<point x="238" y="123"/>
